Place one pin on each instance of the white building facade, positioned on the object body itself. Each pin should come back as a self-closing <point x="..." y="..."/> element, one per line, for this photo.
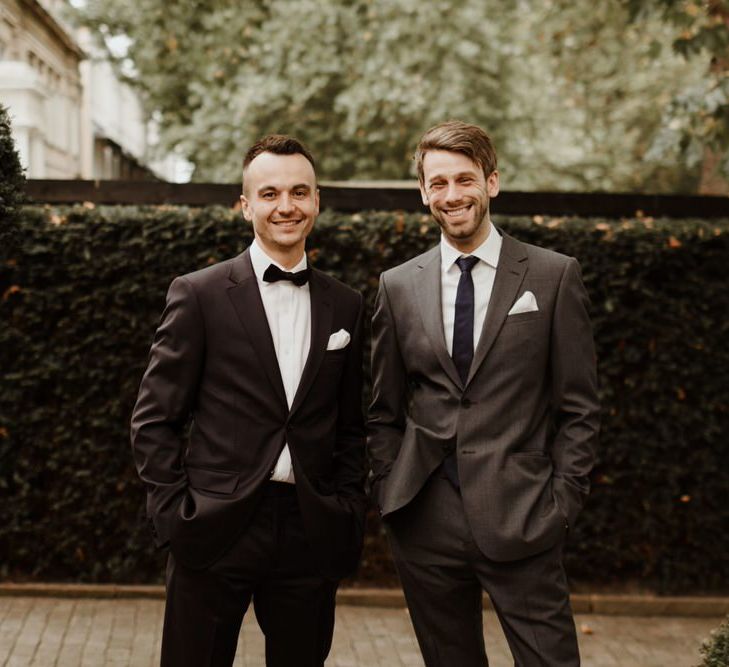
<point x="40" y="82"/>
<point x="71" y="116"/>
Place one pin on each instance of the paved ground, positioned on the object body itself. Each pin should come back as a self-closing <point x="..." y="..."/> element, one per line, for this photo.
<point x="48" y="632"/>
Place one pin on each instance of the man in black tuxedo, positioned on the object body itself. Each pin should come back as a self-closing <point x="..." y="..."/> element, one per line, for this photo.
<point x="262" y="356"/>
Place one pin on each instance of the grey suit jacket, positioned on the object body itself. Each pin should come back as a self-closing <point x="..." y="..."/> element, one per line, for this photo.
<point x="525" y="424"/>
<point x="213" y="367"/>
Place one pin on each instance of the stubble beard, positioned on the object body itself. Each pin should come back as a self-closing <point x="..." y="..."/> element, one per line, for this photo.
<point x="464" y="232"/>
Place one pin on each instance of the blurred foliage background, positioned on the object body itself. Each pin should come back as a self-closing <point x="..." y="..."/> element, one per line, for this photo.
<point x="614" y="95"/>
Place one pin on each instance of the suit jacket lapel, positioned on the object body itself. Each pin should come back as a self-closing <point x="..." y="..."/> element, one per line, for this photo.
<point x="321" y="324"/>
<point x="248" y="305"/>
<point x="427" y="288"/>
<point x="509" y="277"/>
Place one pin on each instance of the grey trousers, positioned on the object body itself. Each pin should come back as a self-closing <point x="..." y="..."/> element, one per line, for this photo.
<point x="443" y="574"/>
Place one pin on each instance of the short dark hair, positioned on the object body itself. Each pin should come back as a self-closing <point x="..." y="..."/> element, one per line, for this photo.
<point x="459" y="137"/>
<point x="279" y="144"/>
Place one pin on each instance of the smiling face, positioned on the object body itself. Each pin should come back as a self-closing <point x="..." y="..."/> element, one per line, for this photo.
<point x="281" y="200"/>
<point x="457" y="192"/>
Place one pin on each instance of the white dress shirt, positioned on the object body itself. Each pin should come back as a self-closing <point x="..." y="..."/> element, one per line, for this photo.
<point x="288" y="311"/>
<point x="483" y="274"/>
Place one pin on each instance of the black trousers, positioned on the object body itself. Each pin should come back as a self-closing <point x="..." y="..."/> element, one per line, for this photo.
<point x="272" y="565"/>
<point x="443" y="574"/>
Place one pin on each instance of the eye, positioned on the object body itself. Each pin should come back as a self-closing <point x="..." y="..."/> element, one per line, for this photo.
<point x="268" y="195"/>
<point x="437" y="185"/>
<point x="465" y="181"/>
<point x="300" y="194"/>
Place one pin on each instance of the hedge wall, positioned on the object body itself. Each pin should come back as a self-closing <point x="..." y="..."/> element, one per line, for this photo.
<point x="81" y="299"/>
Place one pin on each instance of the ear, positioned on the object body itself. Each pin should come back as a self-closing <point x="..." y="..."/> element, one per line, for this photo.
<point x="316" y="202"/>
<point x="245" y="207"/>
<point x="492" y="184"/>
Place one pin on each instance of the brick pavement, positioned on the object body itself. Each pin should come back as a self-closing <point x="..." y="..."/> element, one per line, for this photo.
<point x="62" y="632"/>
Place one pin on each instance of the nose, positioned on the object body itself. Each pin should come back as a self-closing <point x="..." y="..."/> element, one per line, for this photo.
<point x="453" y="194"/>
<point x="285" y="203"/>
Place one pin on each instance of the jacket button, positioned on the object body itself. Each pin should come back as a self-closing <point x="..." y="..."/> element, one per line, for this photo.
<point x="466" y="402"/>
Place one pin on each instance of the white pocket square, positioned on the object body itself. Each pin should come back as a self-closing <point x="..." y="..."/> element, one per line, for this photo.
<point x="338" y="340"/>
<point x="526" y="303"/>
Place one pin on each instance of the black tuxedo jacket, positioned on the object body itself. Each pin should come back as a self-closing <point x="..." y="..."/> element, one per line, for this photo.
<point x="211" y="418"/>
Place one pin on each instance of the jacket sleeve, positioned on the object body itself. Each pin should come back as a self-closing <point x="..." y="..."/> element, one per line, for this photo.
<point x="387" y="413"/>
<point x="349" y="455"/>
<point x="165" y="403"/>
<point x="575" y="400"/>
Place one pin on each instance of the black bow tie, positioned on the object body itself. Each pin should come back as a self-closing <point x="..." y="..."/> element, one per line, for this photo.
<point x="273" y="274"/>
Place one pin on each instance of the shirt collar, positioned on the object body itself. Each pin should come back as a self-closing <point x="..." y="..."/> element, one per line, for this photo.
<point x="261" y="261"/>
<point x="487" y="252"/>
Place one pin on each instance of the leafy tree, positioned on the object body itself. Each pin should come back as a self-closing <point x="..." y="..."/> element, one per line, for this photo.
<point x="573" y="99"/>
<point x="696" y="121"/>
<point x="12" y="182"/>
<point x="589" y="104"/>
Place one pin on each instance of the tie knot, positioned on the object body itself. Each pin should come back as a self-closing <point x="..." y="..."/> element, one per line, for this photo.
<point x="273" y="274"/>
<point x="465" y="264"/>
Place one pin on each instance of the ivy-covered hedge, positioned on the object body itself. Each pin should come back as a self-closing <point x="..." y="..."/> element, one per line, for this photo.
<point x="80" y="301"/>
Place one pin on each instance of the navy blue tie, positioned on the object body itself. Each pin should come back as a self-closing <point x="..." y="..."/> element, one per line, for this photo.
<point x="462" y="342"/>
<point x="463" y="324"/>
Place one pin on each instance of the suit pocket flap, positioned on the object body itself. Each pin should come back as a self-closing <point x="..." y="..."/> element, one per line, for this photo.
<point x="219" y="481"/>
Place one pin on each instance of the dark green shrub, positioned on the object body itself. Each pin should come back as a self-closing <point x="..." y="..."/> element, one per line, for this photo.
<point x="12" y="182"/>
<point x="81" y="299"/>
<point x="716" y="649"/>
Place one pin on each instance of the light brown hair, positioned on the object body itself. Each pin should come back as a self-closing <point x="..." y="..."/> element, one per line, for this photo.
<point x="459" y="137"/>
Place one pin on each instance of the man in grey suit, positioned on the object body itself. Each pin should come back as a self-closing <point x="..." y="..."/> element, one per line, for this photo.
<point x="484" y="419"/>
